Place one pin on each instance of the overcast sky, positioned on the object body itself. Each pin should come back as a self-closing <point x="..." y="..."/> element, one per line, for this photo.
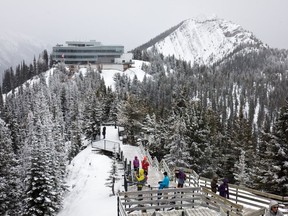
<point x="132" y="23"/>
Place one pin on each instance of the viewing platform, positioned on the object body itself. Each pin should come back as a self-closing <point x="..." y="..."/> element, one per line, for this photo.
<point x="196" y="198"/>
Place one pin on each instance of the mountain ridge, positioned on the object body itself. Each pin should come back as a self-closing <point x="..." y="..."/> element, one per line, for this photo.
<point x="202" y="41"/>
<point x="16" y="48"/>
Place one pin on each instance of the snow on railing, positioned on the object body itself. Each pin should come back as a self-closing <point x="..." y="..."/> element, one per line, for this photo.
<point x="155" y="163"/>
<point x="162" y="166"/>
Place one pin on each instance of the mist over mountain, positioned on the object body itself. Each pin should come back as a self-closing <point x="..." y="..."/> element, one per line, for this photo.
<point x="203" y="41"/>
<point x="14" y="48"/>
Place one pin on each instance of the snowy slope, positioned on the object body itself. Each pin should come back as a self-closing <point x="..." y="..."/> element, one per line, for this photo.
<point x="204" y="41"/>
<point x="14" y="48"/>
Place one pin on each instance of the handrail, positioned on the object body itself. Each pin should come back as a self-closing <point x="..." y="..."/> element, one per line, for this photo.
<point x="153" y="199"/>
<point x="238" y="194"/>
<point x="259" y="212"/>
<point x="155" y="163"/>
<point x="164" y="167"/>
<point x="120" y="208"/>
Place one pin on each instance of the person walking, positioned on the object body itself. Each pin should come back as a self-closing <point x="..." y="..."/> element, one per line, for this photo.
<point x="214" y="184"/>
<point x="273" y="209"/>
<point x="136" y="164"/>
<point x="104" y="132"/>
<point x="224" y="189"/>
<point x="181" y="176"/>
<point x="145" y="165"/>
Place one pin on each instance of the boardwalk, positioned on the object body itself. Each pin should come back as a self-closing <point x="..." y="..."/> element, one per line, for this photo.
<point x="129" y="152"/>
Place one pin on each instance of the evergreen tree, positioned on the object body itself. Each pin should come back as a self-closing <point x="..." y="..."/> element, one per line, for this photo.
<point x="240" y="171"/>
<point x="130" y="116"/>
<point x="178" y="147"/>
<point x="9" y="178"/>
<point x="113" y="174"/>
<point x="43" y="192"/>
<point x="277" y="150"/>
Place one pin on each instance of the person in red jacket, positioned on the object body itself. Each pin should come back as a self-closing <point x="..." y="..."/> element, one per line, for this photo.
<point x="145" y="165"/>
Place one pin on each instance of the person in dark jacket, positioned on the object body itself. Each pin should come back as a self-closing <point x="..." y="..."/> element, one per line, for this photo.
<point x="104" y="132"/>
<point x="214" y="184"/>
<point x="224" y="189"/>
<point x="273" y="209"/>
<point x="136" y="164"/>
<point x="181" y="176"/>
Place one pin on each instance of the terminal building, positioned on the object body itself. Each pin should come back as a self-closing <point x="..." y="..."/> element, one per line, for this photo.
<point x="90" y="52"/>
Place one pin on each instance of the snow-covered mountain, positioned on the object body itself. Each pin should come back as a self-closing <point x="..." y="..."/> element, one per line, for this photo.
<point x="203" y="40"/>
<point x="14" y="48"/>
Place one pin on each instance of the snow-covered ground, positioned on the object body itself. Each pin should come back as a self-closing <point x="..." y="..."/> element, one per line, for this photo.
<point x="87" y="175"/>
<point x="86" y="180"/>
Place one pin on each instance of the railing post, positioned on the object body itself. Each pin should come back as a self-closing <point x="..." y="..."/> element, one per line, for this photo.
<point x="236" y="194"/>
<point x="125" y="183"/>
<point x="129" y="167"/>
<point x="104" y="144"/>
<point x="118" y="207"/>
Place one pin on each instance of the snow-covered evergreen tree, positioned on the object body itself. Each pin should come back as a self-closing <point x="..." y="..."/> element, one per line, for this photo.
<point x="113" y="174"/>
<point x="240" y="171"/>
<point x="178" y="147"/>
<point x="10" y="192"/>
<point x="276" y="174"/>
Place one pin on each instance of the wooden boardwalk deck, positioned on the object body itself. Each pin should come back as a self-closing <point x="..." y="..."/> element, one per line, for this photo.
<point x="199" y="211"/>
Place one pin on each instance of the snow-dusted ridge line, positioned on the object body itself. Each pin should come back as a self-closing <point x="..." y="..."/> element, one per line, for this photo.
<point x="205" y="41"/>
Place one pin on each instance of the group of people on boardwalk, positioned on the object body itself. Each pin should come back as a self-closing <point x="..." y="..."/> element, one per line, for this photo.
<point x="223" y="190"/>
<point x="141" y="174"/>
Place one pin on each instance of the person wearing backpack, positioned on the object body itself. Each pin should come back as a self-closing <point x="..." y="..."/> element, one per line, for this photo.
<point x="181" y="178"/>
<point x="224" y="189"/>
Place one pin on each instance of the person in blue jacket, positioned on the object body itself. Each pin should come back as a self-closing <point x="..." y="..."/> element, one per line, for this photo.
<point x="165" y="182"/>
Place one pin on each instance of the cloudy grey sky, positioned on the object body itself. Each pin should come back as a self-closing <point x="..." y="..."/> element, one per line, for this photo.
<point x="132" y="23"/>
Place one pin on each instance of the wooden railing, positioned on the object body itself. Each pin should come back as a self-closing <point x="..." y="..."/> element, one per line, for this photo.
<point x="239" y="195"/>
<point x="107" y="145"/>
<point x="217" y="202"/>
<point x="250" y="198"/>
<point x="160" y="199"/>
<point x="159" y="166"/>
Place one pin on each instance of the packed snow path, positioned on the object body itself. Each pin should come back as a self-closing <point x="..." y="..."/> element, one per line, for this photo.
<point x="86" y="177"/>
<point x="129" y="152"/>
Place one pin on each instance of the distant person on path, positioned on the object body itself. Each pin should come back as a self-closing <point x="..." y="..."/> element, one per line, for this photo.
<point x="224" y="189"/>
<point x="214" y="184"/>
<point x="145" y="165"/>
<point x="273" y="209"/>
<point x="136" y="164"/>
<point x="181" y="177"/>
<point x="104" y="132"/>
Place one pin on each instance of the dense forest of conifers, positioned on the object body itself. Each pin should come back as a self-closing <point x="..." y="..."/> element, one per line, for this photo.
<point x="229" y="119"/>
